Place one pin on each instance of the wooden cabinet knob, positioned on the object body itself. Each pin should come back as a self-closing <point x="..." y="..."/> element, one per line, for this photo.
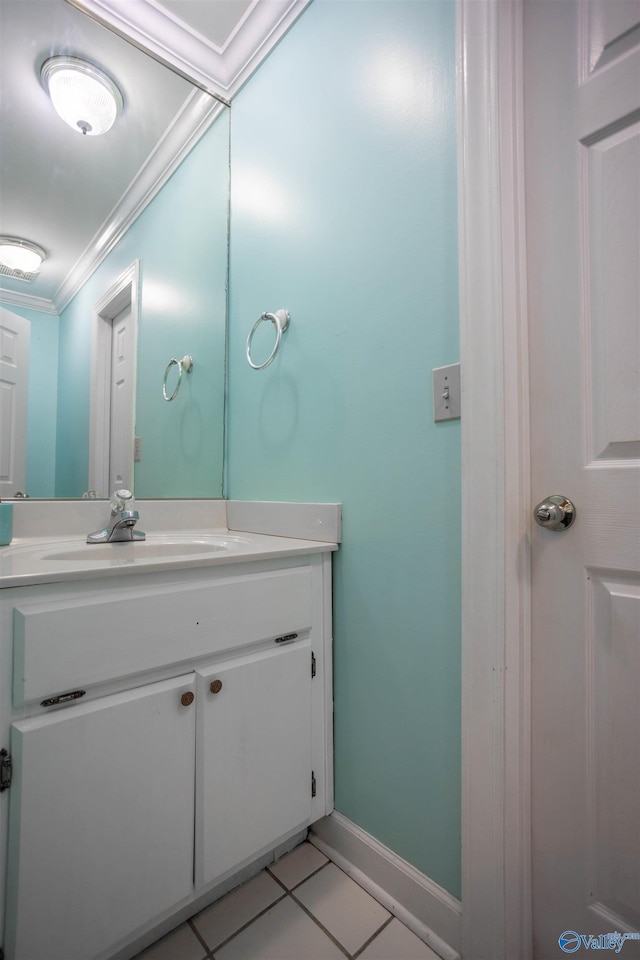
<point x="215" y="686"/>
<point x="187" y="698"/>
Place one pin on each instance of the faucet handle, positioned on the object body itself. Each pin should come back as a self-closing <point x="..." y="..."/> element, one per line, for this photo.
<point x="122" y="500"/>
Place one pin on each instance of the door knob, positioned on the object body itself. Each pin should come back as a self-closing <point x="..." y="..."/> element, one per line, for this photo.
<point x="555" y="513"/>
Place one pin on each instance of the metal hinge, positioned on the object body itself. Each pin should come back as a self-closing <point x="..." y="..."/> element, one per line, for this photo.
<point x="6" y="767"/>
<point x="313" y="664"/>
<point x="313" y="784"/>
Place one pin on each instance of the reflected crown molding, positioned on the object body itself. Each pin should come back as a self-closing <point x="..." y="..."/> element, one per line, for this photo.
<point x="189" y="126"/>
<point x="219" y="69"/>
<point x="17" y="299"/>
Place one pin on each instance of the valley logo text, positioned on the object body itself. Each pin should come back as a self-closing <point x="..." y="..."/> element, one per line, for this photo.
<point x="570" y="941"/>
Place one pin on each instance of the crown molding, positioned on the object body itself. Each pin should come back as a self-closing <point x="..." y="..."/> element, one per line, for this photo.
<point x="219" y="71"/>
<point x="16" y="299"/>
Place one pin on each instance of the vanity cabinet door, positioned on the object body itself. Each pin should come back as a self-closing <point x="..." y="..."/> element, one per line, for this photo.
<point x="253" y="747"/>
<point x="101" y="821"/>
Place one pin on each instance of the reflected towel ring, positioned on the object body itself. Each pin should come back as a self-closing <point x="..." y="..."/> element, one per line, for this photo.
<point x="183" y="365"/>
<point x="280" y="319"/>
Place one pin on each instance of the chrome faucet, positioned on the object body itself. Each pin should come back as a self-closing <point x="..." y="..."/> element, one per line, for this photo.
<point x="123" y="519"/>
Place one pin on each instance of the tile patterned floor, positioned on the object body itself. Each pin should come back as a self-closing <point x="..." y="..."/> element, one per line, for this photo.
<point x="301" y="908"/>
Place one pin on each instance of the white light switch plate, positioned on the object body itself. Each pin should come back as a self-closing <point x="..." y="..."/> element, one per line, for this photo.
<point x="446" y="393"/>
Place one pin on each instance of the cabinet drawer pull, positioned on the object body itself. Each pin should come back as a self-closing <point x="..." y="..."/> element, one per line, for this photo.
<point x="63" y="698"/>
<point x="215" y="686"/>
<point x="287" y="638"/>
<point x="187" y="698"/>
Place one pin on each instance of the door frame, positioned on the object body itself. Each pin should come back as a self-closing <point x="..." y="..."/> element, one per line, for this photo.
<point x="496" y="591"/>
<point x="125" y="291"/>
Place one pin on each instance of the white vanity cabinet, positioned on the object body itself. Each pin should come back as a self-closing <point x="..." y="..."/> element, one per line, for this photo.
<point x="101" y="828"/>
<point x="254" y="777"/>
<point x="199" y="741"/>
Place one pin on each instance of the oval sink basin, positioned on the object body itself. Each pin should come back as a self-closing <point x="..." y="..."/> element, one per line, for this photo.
<point x="140" y="549"/>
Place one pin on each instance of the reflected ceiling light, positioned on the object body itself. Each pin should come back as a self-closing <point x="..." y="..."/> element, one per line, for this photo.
<point x="85" y="97"/>
<point x="20" y="258"/>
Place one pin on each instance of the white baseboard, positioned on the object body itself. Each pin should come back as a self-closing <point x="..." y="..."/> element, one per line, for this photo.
<point x="425" y="908"/>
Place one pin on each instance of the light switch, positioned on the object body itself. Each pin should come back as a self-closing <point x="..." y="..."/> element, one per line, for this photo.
<point x="446" y="393"/>
<point x="137" y="449"/>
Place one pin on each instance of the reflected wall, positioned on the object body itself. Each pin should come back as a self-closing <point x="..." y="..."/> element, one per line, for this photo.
<point x="181" y="242"/>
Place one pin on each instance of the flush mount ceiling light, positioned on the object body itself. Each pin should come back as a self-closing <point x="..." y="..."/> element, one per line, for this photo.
<point x="84" y="96"/>
<point x="20" y="258"/>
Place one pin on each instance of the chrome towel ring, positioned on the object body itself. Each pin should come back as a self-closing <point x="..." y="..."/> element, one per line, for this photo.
<point x="280" y="319"/>
<point x="183" y="365"/>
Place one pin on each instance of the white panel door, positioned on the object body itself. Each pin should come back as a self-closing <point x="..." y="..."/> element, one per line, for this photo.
<point x="15" y="337"/>
<point x="582" y="136"/>
<point x="101" y="821"/>
<point x="122" y="402"/>
<point x="253" y="756"/>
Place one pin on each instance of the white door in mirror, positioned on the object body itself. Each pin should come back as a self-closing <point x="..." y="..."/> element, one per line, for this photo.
<point x="15" y="338"/>
<point x="122" y="414"/>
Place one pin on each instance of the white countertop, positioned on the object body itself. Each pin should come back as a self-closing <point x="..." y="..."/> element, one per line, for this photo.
<point x="33" y="560"/>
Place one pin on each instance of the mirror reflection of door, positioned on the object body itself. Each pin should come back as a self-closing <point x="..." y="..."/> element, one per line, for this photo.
<point x="15" y="337"/>
<point x="113" y="372"/>
<point x="121" y="402"/>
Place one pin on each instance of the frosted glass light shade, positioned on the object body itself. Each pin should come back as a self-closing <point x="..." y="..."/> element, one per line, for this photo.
<point x="85" y="97"/>
<point x="20" y="255"/>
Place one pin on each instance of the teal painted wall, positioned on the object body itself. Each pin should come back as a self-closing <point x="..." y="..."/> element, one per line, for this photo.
<point x="344" y="212"/>
<point x="181" y="242"/>
<point x="42" y="401"/>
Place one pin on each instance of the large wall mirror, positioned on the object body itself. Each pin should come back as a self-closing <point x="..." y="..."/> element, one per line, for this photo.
<point x="133" y="220"/>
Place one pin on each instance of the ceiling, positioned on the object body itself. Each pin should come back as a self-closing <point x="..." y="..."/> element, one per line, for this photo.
<point x="214" y="22"/>
<point x="215" y="43"/>
<point x="73" y="195"/>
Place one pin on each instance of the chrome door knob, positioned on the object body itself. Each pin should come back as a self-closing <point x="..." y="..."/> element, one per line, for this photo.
<point x="555" y="513"/>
